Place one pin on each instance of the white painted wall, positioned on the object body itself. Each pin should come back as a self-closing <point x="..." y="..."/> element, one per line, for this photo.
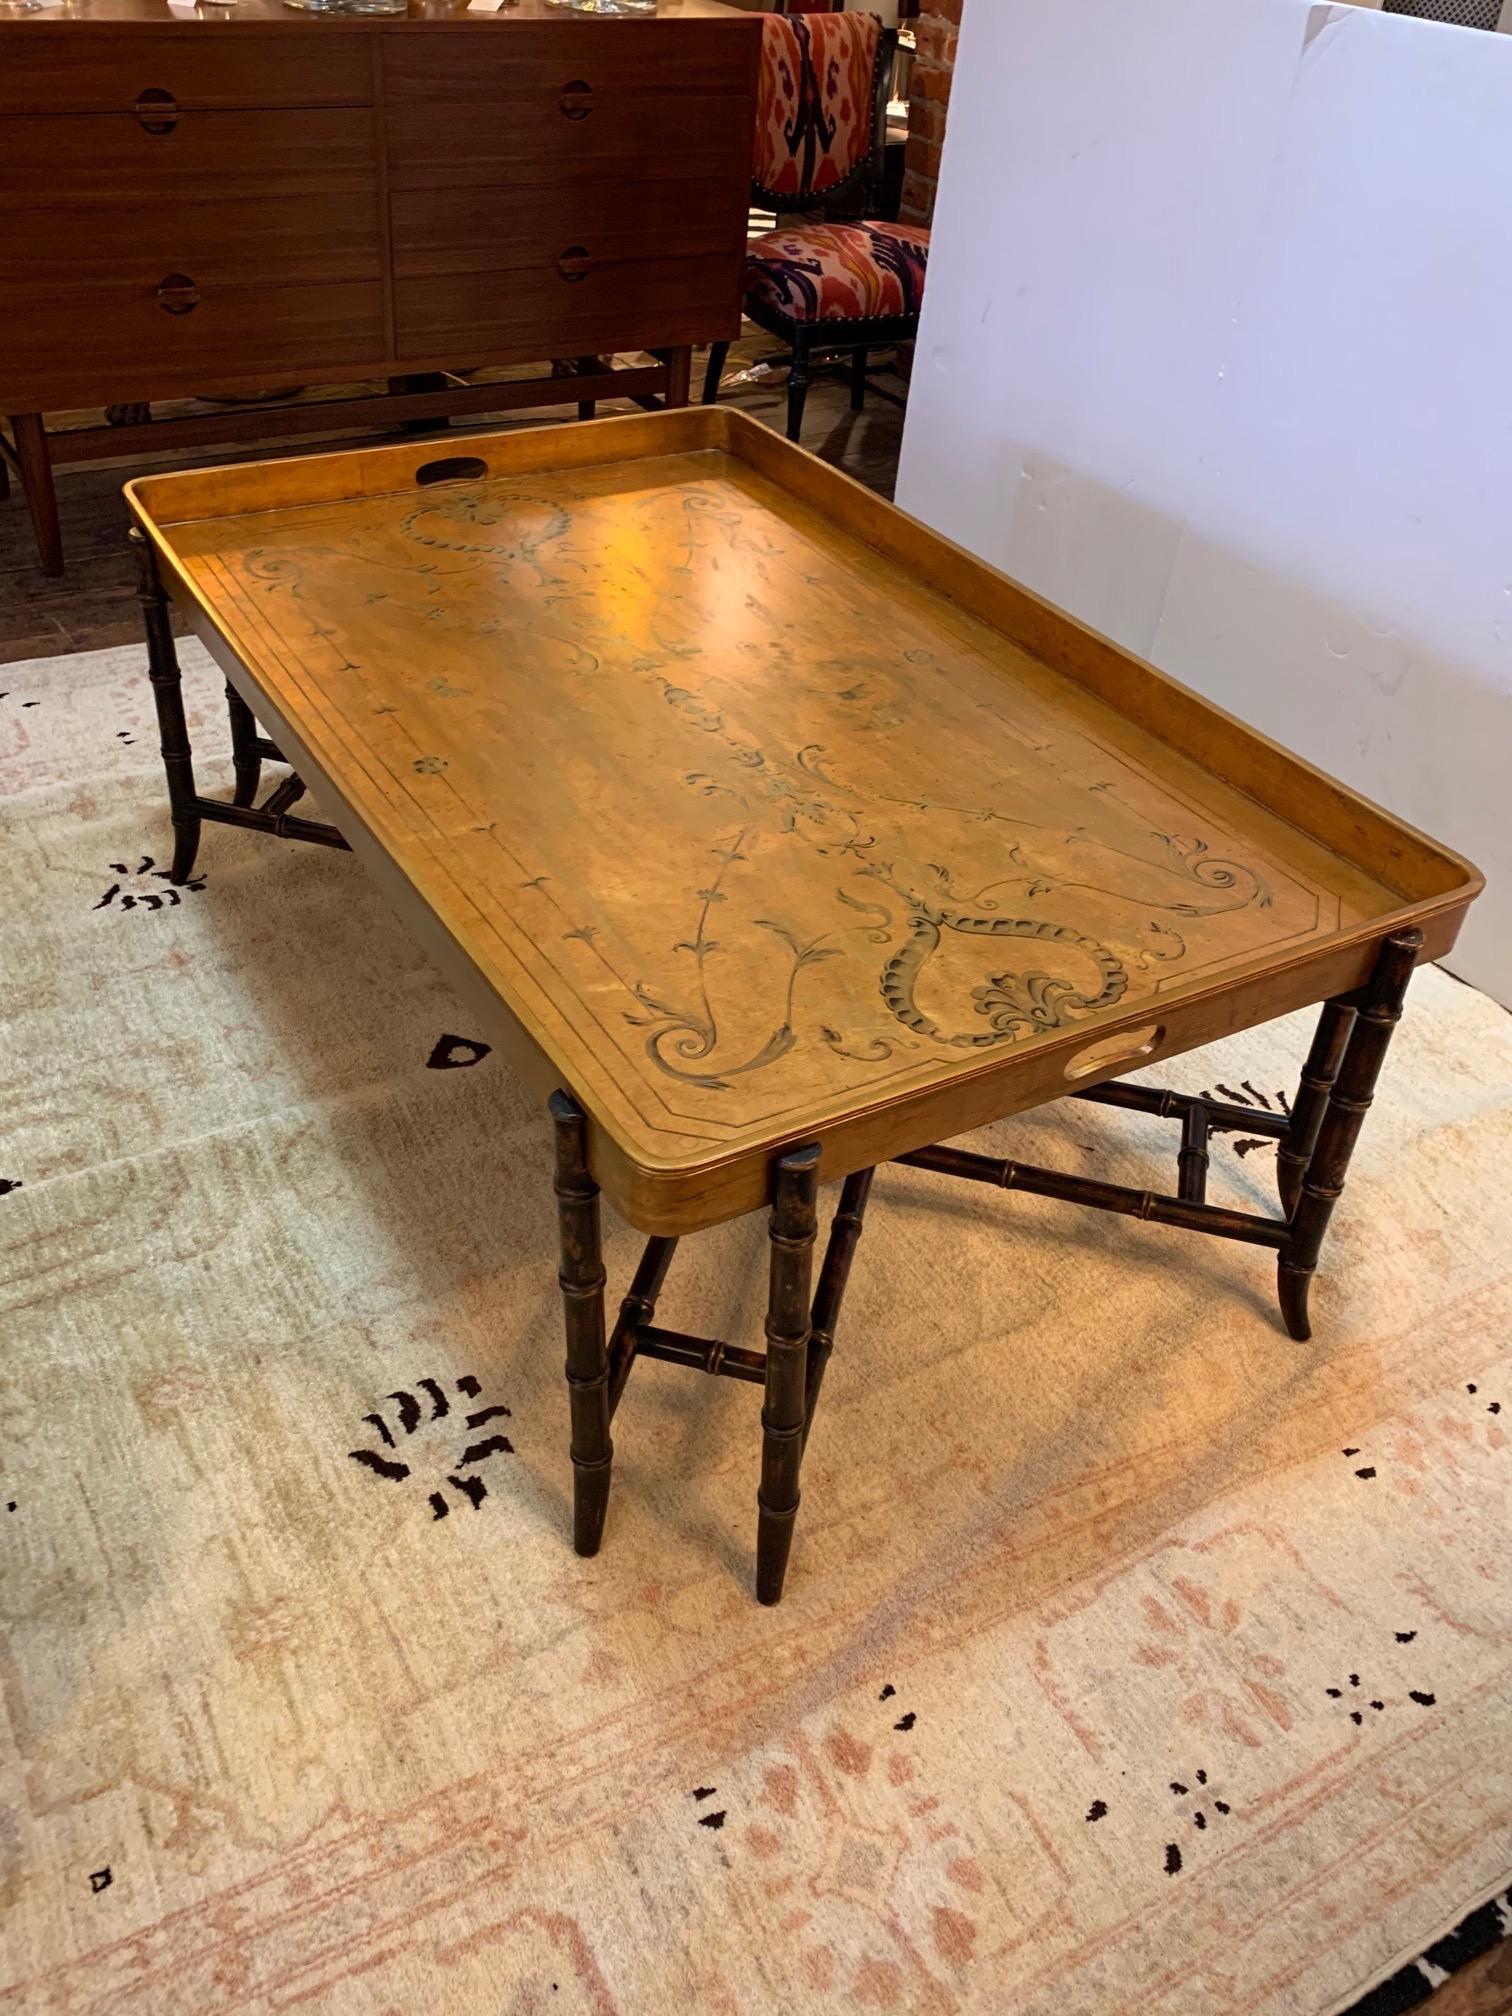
<point x="1217" y="353"/>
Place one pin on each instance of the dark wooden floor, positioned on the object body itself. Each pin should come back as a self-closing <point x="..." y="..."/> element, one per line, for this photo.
<point x="92" y="605"/>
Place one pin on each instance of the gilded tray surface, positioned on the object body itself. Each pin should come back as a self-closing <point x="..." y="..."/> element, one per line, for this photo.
<point x="748" y="828"/>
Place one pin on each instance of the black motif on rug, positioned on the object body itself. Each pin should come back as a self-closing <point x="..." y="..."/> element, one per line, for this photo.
<point x="453" y="1454"/>
<point x="455" y="1053"/>
<point x="133" y="889"/>
<point x="1250" y="1095"/>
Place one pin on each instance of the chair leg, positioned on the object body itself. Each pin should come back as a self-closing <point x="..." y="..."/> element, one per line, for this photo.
<point x="582" y="1282"/>
<point x="245" y="761"/>
<point x="168" y="695"/>
<point x="798" y="385"/>
<point x="1349" y="1100"/>
<point x="714" y="371"/>
<point x="858" y="379"/>
<point x="792" y="1229"/>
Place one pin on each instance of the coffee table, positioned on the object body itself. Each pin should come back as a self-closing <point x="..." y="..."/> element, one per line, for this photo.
<point x="772" y="838"/>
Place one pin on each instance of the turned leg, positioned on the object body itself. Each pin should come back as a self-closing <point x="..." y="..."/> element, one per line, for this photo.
<point x="714" y="371"/>
<point x="679" y="374"/>
<point x="582" y="1280"/>
<point x="35" y="464"/>
<point x="167" y="692"/>
<point x="1318" y="1075"/>
<point x="1347" y="1102"/>
<point x="245" y="760"/>
<point x="792" y="1229"/>
<point x="798" y="385"/>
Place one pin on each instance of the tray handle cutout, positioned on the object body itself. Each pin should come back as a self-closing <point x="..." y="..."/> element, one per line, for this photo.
<point x="452" y="469"/>
<point x="1130" y="1046"/>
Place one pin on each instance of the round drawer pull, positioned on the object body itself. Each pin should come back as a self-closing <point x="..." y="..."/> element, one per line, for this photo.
<point x="157" y="111"/>
<point x="576" y="100"/>
<point x="177" y="294"/>
<point x="574" y="263"/>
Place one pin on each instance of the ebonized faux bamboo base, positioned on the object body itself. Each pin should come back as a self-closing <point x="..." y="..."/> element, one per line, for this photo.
<point x="1314" y="1143"/>
<point x="938" y="952"/>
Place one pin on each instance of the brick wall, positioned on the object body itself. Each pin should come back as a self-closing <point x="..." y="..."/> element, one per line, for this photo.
<point x="928" y="100"/>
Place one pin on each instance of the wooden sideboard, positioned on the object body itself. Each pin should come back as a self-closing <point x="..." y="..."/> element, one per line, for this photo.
<point x="236" y="199"/>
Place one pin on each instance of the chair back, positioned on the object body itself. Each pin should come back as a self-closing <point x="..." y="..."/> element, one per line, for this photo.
<point x="820" y="106"/>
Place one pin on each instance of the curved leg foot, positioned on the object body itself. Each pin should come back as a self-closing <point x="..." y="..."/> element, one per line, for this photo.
<point x="1293" y="1285"/>
<point x="590" y="1504"/>
<point x="186" y="839"/>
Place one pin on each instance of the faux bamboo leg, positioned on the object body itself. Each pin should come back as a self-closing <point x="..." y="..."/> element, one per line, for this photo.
<point x="167" y="692"/>
<point x="792" y="1229"/>
<point x="582" y="1280"/>
<point x="636" y="1311"/>
<point x="845" y="1233"/>
<point x="1349" y="1099"/>
<point x="1318" y="1075"/>
<point x="245" y="760"/>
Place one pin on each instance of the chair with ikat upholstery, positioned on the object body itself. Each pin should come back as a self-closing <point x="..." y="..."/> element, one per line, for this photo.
<point x="825" y="286"/>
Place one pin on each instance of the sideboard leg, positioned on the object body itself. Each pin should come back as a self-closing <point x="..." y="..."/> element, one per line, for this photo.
<point x="679" y="374"/>
<point x="168" y="693"/>
<point x="582" y="1281"/>
<point x="35" y="464"/>
<point x="245" y="760"/>
<point x="794" y="1222"/>
<point x="1349" y="1099"/>
<point x="1318" y="1075"/>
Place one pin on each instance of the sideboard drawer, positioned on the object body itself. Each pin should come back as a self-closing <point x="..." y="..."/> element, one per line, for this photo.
<point x="548" y="100"/>
<point x="62" y="68"/>
<point x="539" y="313"/>
<point x="173" y="334"/>
<point x="102" y="225"/>
<point x="493" y="230"/>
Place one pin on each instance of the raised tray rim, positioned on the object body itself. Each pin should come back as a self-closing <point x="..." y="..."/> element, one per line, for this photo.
<point x="676" y="1192"/>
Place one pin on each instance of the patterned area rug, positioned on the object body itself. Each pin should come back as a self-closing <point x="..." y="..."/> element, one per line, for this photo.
<point x="1133" y="1657"/>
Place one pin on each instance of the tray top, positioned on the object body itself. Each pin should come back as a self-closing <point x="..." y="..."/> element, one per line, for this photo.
<point x="748" y="830"/>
